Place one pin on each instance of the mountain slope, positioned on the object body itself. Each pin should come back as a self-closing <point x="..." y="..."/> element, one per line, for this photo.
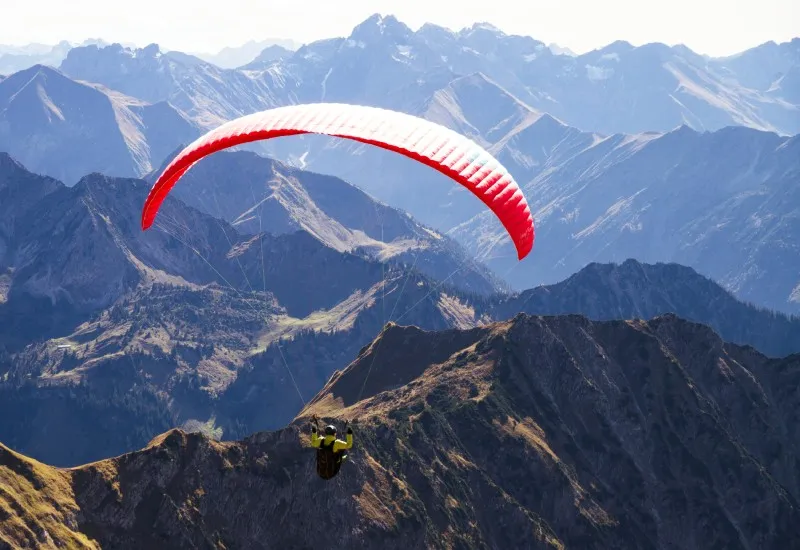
<point x="20" y="191"/>
<point x="191" y="321"/>
<point x="765" y="67"/>
<point x="654" y="434"/>
<point x="726" y="205"/>
<point x="170" y="316"/>
<point x="83" y="247"/>
<point x="257" y="195"/>
<point x="473" y="105"/>
<point x="633" y="290"/>
<point x="592" y="193"/>
<point x="617" y="416"/>
<point x="723" y="203"/>
<point x="66" y="129"/>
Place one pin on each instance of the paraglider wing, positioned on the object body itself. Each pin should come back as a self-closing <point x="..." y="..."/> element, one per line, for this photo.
<point x="441" y="148"/>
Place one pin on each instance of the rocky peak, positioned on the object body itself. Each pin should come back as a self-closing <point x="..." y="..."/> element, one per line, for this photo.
<point x="151" y="50"/>
<point x="381" y="29"/>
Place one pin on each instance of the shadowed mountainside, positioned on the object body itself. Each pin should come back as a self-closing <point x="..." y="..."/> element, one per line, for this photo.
<point x="540" y="432"/>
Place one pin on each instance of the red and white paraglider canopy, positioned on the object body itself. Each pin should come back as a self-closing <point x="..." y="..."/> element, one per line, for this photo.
<point x="454" y="155"/>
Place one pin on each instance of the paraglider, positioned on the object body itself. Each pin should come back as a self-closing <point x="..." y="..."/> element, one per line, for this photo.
<point x="450" y="153"/>
<point x="331" y="451"/>
<point x="432" y="144"/>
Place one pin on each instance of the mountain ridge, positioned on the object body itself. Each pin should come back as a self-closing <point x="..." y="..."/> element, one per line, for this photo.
<point x="441" y="452"/>
<point x="49" y="121"/>
<point x="257" y="194"/>
<point x="192" y="320"/>
<point x="589" y="190"/>
<point x="682" y="86"/>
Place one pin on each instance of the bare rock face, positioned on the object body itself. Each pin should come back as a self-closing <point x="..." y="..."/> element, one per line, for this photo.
<point x="540" y="432"/>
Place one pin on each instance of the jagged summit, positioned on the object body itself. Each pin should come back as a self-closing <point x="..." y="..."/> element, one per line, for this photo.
<point x="378" y="27"/>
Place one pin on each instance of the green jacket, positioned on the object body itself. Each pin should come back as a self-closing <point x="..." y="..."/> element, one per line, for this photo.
<point x="338" y="445"/>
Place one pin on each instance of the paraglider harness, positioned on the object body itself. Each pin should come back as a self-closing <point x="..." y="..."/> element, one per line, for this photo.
<point x="328" y="461"/>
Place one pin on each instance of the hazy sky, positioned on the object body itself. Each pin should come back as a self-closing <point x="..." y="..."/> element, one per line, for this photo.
<point x="715" y="27"/>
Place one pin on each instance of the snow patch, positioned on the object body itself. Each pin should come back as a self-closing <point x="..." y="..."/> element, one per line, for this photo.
<point x="5" y="286"/>
<point x="595" y="73"/>
<point x="756" y="221"/>
<point x="795" y="295"/>
<point x="431" y="232"/>
<point x="301" y="162"/>
<point x="277" y="75"/>
<point x="324" y="87"/>
<point x="633" y="226"/>
<point x="570" y="216"/>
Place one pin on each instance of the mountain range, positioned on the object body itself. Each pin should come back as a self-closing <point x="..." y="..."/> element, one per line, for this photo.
<point x="18" y="58"/>
<point x="122" y="334"/>
<point x="256" y="194"/>
<point x="636" y="388"/>
<point x="249" y="52"/>
<point x="538" y="432"/>
<point x="186" y="305"/>
<point x="616" y="89"/>
<point x="727" y="196"/>
<point x="725" y="203"/>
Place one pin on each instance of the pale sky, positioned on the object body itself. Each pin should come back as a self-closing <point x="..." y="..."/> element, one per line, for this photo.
<point x="714" y="27"/>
